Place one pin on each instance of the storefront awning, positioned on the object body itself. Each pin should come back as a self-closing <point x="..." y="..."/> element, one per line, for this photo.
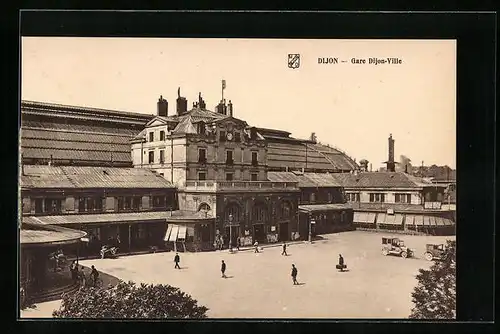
<point x="364" y="217"/>
<point x="186" y="217"/>
<point x="175" y="233"/>
<point x="110" y="218"/>
<point x="323" y="207"/>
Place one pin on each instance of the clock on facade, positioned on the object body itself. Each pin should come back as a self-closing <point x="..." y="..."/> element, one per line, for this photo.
<point x="229" y="136"/>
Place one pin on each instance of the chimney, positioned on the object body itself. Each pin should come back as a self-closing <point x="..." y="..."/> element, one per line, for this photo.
<point x="370" y="167"/>
<point x="201" y="102"/>
<point x="181" y="103"/>
<point x="391" y="166"/>
<point x="162" y="107"/>
<point x="221" y="108"/>
<point x="230" y="108"/>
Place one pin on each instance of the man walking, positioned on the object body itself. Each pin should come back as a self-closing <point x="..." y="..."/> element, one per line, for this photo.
<point x="238" y="244"/>
<point x="177" y="259"/>
<point x="223" y="269"/>
<point x="284" y="249"/>
<point x="256" y="245"/>
<point x="294" y="275"/>
<point x="341" y="263"/>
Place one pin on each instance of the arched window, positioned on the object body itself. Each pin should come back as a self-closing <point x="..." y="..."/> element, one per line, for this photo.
<point x="286" y="210"/>
<point x="259" y="213"/>
<point x="234" y="210"/>
<point x="204" y="207"/>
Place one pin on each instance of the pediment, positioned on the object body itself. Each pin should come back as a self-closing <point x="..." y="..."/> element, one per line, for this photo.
<point x="231" y="122"/>
<point x="157" y="121"/>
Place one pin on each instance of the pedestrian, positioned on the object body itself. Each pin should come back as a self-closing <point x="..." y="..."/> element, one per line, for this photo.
<point x="94" y="274"/>
<point x="177" y="259"/>
<point x="223" y="269"/>
<point x="256" y="245"/>
<point x="294" y="275"/>
<point x="284" y="249"/>
<point x="341" y="263"/>
<point x="238" y="244"/>
<point x="221" y="245"/>
<point x="74" y="271"/>
<point x="81" y="277"/>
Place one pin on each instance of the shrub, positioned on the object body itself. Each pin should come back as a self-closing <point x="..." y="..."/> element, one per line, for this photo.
<point x="435" y="295"/>
<point x="127" y="300"/>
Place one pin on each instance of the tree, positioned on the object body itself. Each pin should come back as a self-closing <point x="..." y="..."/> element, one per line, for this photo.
<point x="127" y="300"/>
<point x="435" y="295"/>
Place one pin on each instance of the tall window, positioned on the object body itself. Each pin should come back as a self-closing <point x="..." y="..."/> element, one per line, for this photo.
<point x="202" y="155"/>
<point x="129" y="203"/>
<point x="90" y="204"/>
<point x="234" y="211"/>
<point x="162" y="156"/>
<point x="162" y="135"/>
<point x="201" y="128"/>
<point x="151" y="136"/>
<point x="286" y="210"/>
<point x="237" y="137"/>
<point x="259" y="213"/>
<point x="255" y="160"/>
<point x="222" y="135"/>
<point x="377" y="197"/>
<point x="312" y="198"/>
<point x="229" y="176"/>
<point x="353" y="197"/>
<point x="229" y="157"/>
<point x="254" y="176"/>
<point x="202" y="176"/>
<point x="53" y="205"/>
<point x="151" y="157"/>
<point x="402" y="198"/>
<point x="159" y="202"/>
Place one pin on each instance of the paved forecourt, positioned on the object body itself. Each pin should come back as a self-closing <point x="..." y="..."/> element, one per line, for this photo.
<point x="260" y="286"/>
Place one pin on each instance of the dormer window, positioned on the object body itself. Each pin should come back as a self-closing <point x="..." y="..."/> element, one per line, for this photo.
<point x="201" y="128"/>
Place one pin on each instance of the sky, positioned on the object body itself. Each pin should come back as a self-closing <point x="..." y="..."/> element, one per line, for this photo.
<point x="353" y="107"/>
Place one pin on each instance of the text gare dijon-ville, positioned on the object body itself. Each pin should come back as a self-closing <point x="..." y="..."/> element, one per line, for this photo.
<point x="361" y="61"/>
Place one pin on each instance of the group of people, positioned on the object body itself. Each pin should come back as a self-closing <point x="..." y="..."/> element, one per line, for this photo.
<point x="78" y="274"/>
<point x="341" y="265"/>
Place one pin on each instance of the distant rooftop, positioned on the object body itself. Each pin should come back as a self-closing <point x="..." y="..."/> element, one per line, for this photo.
<point x="91" y="177"/>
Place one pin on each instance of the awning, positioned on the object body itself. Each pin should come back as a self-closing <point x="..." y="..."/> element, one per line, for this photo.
<point x="107" y="218"/>
<point x="439" y="221"/>
<point x="409" y="219"/>
<point x="398" y="219"/>
<point x="390" y="219"/>
<point x="364" y="217"/>
<point x="426" y="221"/>
<point x="323" y="207"/>
<point x="381" y="218"/>
<point x="419" y="220"/>
<point x="175" y="233"/>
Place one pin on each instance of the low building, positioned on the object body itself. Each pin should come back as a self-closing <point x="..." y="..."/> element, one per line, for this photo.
<point x="397" y="201"/>
<point x="322" y="204"/>
<point x="126" y="207"/>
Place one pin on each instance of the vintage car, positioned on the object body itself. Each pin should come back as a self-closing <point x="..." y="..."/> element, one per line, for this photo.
<point x="396" y="246"/>
<point x="434" y="252"/>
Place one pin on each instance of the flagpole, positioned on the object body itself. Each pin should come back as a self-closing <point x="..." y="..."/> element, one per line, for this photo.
<point x="222" y="90"/>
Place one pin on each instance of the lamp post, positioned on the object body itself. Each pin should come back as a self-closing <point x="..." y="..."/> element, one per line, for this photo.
<point x="311" y="222"/>
<point x="230" y="232"/>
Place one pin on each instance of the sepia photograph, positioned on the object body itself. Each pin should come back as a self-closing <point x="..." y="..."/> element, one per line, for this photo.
<point x="232" y="178"/>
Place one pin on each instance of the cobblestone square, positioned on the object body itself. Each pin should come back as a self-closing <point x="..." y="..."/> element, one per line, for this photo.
<point x="260" y="286"/>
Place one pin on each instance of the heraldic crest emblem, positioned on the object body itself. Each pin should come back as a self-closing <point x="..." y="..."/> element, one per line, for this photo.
<point x="294" y="60"/>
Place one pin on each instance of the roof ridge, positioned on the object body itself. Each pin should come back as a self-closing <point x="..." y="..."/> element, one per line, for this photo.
<point x="71" y="131"/>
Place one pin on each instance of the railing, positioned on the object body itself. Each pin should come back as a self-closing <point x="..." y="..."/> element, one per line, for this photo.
<point x="249" y="185"/>
<point x="432" y="205"/>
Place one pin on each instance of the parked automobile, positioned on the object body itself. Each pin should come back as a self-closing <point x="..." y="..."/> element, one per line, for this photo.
<point x="108" y="252"/>
<point x="434" y="252"/>
<point x="396" y="246"/>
